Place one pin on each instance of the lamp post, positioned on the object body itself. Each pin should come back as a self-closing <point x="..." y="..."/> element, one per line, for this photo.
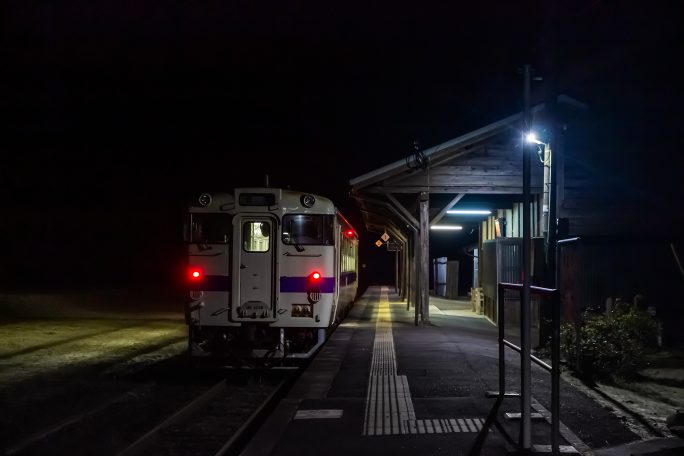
<point x="548" y="223"/>
<point x="525" y="308"/>
<point x="525" y="339"/>
<point x="550" y="237"/>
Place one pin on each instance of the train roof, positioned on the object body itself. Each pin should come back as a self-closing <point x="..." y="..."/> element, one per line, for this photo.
<point x="275" y="199"/>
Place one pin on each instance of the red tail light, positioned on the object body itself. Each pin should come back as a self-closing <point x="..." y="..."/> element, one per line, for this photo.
<point x="315" y="276"/>
<point x="350" y="233"/>
<point x="195" y="274"/>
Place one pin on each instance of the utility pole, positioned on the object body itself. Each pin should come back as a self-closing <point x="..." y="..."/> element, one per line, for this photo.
<point x="525" y="339"/>
<point x="550" y="50"/>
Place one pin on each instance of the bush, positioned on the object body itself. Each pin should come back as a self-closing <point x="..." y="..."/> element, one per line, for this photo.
<point x="611" y="345"/>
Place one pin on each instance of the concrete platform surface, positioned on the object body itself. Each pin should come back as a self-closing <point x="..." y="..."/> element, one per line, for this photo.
<point x="382" y="385"/>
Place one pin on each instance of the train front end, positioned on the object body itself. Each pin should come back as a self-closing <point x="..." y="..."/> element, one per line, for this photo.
<point x="262" y="270"/>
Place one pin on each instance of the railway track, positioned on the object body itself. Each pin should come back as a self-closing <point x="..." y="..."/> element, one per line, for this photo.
<point x="85" y="392"/>
<point x="205" y="411"/>
<point x="218" y="422"/>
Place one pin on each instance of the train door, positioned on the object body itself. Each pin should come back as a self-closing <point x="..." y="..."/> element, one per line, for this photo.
<point x="254" y="247"/>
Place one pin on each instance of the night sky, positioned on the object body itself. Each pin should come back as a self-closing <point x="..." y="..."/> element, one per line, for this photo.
<point x="116" y="113"/>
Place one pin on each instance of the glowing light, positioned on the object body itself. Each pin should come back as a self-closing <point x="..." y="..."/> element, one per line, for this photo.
<point x="469" y="211"/>
<point x="350" y="233"/>
<point x="315" y="275"/>
<point x="446" y="227"/>
<point x="531" y="137"/>
<point x="195" y="274"/>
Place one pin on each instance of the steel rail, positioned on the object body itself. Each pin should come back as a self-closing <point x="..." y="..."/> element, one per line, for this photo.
<point x="74" y="419"/>
<point x="190" y="408"/>
<point x="233" y="445"/>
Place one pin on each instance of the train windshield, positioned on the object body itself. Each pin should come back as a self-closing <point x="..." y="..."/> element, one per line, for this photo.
<point x="206" y="228"/>
<point x="308" y="229"/>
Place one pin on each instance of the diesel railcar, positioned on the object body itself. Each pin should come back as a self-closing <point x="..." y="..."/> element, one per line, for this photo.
<point x="271" y="272"/>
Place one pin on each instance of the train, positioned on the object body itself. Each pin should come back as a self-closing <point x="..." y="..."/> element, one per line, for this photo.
<point x="270" y="272"/>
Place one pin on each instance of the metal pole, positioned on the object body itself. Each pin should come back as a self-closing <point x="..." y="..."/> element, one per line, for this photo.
<point x="552" y="235"/>
<point x="525" y="377"/>
<point x="553" y="139"/>
<point x="555" y="373"/>
<point x="502" y="348"/>
<point x="476" y="449"/>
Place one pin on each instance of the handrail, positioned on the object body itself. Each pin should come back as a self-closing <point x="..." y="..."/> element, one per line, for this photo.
<point x="538" y="361"/>
<point x="554" y="368"/>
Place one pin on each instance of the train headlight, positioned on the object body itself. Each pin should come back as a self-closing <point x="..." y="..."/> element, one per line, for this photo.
<point x="308" y="200"/>
<point x="204" y="199"/>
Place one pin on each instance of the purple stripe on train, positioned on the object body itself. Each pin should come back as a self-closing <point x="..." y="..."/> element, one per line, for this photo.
<point x="212" y="283"/>
<point x="302" y="284"/>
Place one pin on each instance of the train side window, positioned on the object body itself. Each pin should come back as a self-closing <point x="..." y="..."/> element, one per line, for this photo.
<point x="256" y="236"/>
<point x="308" y="229"/>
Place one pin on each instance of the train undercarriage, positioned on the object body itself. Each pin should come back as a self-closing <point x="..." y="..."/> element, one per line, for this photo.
<point x="255" y="344"/>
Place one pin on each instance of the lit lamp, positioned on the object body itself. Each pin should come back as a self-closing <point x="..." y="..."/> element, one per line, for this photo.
<point x="469" y="211"/>
<point x="545" y="158"/>
<point x="446" y="227"/>
<point x="531" y="137"/>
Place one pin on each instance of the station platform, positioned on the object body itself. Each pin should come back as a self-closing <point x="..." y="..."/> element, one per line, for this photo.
<point x="382" y="385"/>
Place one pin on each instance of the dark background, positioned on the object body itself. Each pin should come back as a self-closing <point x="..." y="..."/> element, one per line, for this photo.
<point x="117" y="113"/>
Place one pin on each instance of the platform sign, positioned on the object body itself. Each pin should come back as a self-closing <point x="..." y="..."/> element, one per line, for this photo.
<point x="378" y="243"/>
<point x="385" y="237"/>
<point x="393" y="246"/>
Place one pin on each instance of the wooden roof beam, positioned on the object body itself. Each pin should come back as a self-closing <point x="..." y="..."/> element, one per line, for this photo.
<point x="443" y="212"/>
<point x="485" y="189"/>
<point x="397" y="204"/>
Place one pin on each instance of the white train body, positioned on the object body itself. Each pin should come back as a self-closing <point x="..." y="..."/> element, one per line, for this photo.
<point x="271" y="272"/>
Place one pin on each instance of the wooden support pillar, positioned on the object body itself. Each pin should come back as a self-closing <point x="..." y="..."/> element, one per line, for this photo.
<point x="401" y="272"/>
<point x="407" y="272"/>
<point x="396" y="272"/>
<point x="407" y="269"/>
<point x="415" y="282"/>
<point x="411" y="250"/>
<point x="424" y="285"/>
<point x="406" y="266"/>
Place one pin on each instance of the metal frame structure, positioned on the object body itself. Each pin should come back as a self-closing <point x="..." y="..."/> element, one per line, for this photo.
<point x="554" y="369"/>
